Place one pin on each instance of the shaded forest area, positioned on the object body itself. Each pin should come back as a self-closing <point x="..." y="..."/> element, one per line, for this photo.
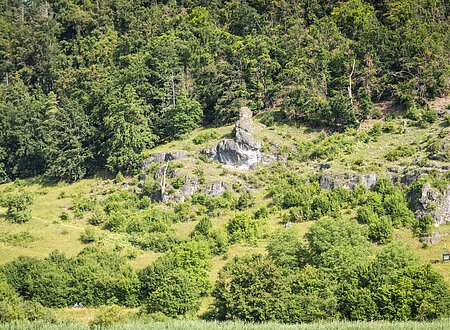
<point x="88" y="85"/>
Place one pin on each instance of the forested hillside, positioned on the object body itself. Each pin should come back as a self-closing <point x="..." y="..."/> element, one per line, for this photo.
<point x="231" y="161"/>
<point x="87" y="85"/>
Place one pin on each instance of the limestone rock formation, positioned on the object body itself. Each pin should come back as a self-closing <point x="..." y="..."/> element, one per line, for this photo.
<point x="216" y="189"/>
<point x="349" y="181"/>
<point x="163" y="157"/>
<point x="437" y="204"/>
<point x="244" y="150"/>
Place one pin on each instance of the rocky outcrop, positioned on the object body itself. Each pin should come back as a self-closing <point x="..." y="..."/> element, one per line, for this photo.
<point x="433" y="238"/>
<point x="243" y="151"/>
<point x="216" y="189"/>
<point x="440" y="149"/>
<point x="244" y="129"/>
<point x="428" y="200"/>
<point x="163" y="157"/>
<point x="349" y="181"/>
<point x="168" y="188"/>
<point x="163" y="177"/>
<point x="437" y="204"/>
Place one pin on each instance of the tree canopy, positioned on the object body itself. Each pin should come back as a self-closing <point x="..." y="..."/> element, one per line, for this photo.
<point x="90" y="85"/>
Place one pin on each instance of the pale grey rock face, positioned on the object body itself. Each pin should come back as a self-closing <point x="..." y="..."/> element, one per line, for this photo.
<point x="349" y="181"/>
<point x="216" y="189"/>
<point x="243" y="151"/>
<point x="163" y="157"/>
<point x="437" y="204"/>
<point x="190" y="187"/>
<point x="368" y="180"/>
<point x="429" y="200"/>
<point x="244" y="129"/>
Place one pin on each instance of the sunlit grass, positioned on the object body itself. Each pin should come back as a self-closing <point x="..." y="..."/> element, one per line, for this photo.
<point x="203" y="325"/>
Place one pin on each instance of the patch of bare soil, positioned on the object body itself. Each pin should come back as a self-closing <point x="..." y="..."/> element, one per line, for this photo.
<point x="441" y="103"/>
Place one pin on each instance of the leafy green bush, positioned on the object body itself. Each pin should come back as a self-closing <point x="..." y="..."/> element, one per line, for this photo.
<point x="119" y="177"/>
<point x="88" y="236"/>
<point x="429" y="116"/>
<point x="249" y="288"/>
<point x="286" y="249"/>
<point x="376" y="130"/>
<point x="424" y="225"/>
<point x="380" y="229"/>
<point x="245" y="201"/>
<point x="108" y="316"/>
<point x="156" y="241"/>
<point x="205" y="137"/>
<point x="366" y="215"/>
<point x="298" y="214"/>
<point x="399" y="152"/>
<point x="396" y="207"/>
<point x="359" y="195"/>
<point x="384" y="186"/>
<point x="227" y="201"/>
<point x="242" y="227"/>
<point x="329" y="202"/>
<point x="15" y="308"/>
<point x="18" y="207"/>
<point x="83" y="204"/>
<point x="392" y="127"/>
<point x="203" y="227"/>
<point x="261" y="213"/>
<point x="64" y="216"/>
<point x="94" y="277"/>
<point x="177" y="294"/>
<point x="175" y="283"/>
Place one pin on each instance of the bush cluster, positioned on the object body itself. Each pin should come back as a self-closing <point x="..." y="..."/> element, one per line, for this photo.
<point x="337" y="274"/>
<point x="94" y="277"/>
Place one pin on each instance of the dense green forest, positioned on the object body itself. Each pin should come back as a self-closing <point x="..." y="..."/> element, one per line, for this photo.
<point x="344" y="218"/>
<point x="86" y="86"/>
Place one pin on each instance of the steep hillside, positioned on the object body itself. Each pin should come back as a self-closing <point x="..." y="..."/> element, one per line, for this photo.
<point x="114" y="214"/>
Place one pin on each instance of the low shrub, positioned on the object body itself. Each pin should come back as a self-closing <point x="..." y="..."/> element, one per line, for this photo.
<point x="399" y="152"/>
<point x="22" y="238"/>
<point x="108" y="316"/>
<point x="205" y="137"/>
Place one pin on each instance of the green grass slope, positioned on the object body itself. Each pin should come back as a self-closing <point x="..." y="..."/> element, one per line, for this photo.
<point x="57" y="225"/>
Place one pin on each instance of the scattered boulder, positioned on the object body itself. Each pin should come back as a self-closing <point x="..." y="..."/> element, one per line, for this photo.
<point x="368" y="180"/>
<point x="216" y="189"/>
<point x="324" y="166"/>
<point x="393" y="169"/>
<point x="244" y="150"/>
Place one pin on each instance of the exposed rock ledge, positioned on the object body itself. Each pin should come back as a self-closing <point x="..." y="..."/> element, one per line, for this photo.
<point x="243" y="151"/>
<point x="437" y="204"/>
<point x="429" y="200"/>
